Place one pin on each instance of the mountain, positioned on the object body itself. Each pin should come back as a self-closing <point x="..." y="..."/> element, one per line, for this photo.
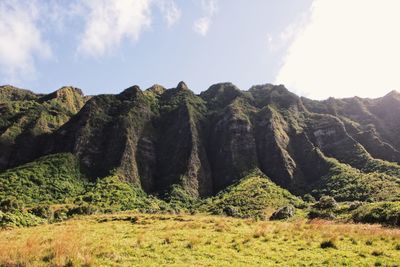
<point x="158" y="138"/>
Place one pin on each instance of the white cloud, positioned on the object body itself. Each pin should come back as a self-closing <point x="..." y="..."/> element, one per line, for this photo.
<point x="21" y="41"/>
<point x="170" y="10"/>
<point x="108" y="22"/>
<point x="347" y="48"/>
<point x="285" y="37"/>
<point x="202" y="24"/>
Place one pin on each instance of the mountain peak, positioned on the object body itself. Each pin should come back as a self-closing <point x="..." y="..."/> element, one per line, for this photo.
<point x="157" y="89"/>
<point x="393" y="93"/>
<point x="9" y="92"/>
<point x="182" y="86"/>
<point x="130" y="92"/>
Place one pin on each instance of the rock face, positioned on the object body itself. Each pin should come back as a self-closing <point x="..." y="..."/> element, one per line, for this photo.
<point x="161" y="137"/>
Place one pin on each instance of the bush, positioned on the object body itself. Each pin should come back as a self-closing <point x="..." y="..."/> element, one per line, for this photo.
<point x="230" y="211"/>
<point x="18" y="219"/>
<point x="42" y="211"/>
<point x="308" y="198"/>
<point x="10" y="204"/>
<point x="60" y="214"/>
<point x="318" y="214"/>
<point x="326" y="202"/>
<point x="328" y="244"/>
<point x="355" y="204"/>
<point x="382" y="212"/>
<point x="83" y="209"/>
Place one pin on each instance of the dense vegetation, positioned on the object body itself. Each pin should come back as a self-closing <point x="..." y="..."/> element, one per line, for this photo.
<point x="172" y="151"/>
<point x="51" y="179"/>
<point x="346" y="183"/>
<point x="250" y="197"/>
<point x="382" y="212"/>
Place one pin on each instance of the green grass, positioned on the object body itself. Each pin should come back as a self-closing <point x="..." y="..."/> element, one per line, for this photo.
<point x="132" y="239"/>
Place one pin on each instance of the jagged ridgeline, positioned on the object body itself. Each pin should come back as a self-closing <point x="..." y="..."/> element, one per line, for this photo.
<point x="158" y="140"/>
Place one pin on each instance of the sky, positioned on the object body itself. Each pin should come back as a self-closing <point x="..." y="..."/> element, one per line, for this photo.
<point x="316" y="48"/>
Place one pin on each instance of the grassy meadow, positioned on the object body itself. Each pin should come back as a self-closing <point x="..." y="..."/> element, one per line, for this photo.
<point x="135" y="239"/>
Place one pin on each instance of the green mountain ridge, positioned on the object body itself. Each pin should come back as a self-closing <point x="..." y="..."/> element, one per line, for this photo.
<point x="161" y="138"/>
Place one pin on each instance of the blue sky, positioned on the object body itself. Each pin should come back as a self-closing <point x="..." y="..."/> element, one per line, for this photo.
<point x="313" y="47"/>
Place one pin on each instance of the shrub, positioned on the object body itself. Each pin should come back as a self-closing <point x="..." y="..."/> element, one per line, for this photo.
<point x="382" y="212"/>
<point x="83" y="209"/>
<point x="10" y="204"/>
<point x="377" y="253"/>
<point x="60" y="214"/>
<point x="326" y="202"/>
<point x="42" y="211"/>
<point x="328" y="244"/>
<point x="18" y="219"/>
<point x="318" y="214"/>
<point x="355" y="204"/>
<point x="230" y="211"/>
<point x="309" y="198"/>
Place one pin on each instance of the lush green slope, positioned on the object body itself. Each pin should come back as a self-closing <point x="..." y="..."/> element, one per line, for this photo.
<point x="51" y="179"/>
<point x="26" y="120"/>
<point x="345" y="183"/>
<point x="185" y="148"/>
<point x="252" y="196"/>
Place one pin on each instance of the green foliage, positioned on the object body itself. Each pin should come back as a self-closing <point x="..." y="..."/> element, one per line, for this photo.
<point x="51" y="179"/>
<point x="179" y="199"/>
<point x="345" y="183"/>
<point x="19" y="219"/>
<point x="10" y="204"/>
<point x="22" y="112"/>
<point x="113" y="194"/>
<point x="250" y="197"/>
<point x="382" y="212"/>
<point x="308" y="198"/>
<point x="42" y="211"/>
<point x="326" y="202"/>
<point x="82" y="209"/>
<point x="321" y="214"/>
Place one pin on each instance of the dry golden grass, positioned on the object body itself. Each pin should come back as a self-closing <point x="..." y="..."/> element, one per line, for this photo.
<point x="184" y="240"/>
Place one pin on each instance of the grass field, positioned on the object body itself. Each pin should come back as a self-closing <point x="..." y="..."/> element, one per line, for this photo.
<point x="131" y="239"/>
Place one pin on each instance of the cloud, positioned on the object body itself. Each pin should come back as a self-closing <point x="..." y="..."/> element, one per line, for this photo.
<point x="346" y="48"/>
<point x="170" y="10"/>
<point x="286" y="36"/>
<point x="202" y="24"/>
<point x="109" y="22"/>
<point x="21" y="41"/>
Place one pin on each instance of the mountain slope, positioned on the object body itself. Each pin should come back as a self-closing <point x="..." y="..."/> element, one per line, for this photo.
<point x="27" y="118"/>
<point x="159" y="138"/>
